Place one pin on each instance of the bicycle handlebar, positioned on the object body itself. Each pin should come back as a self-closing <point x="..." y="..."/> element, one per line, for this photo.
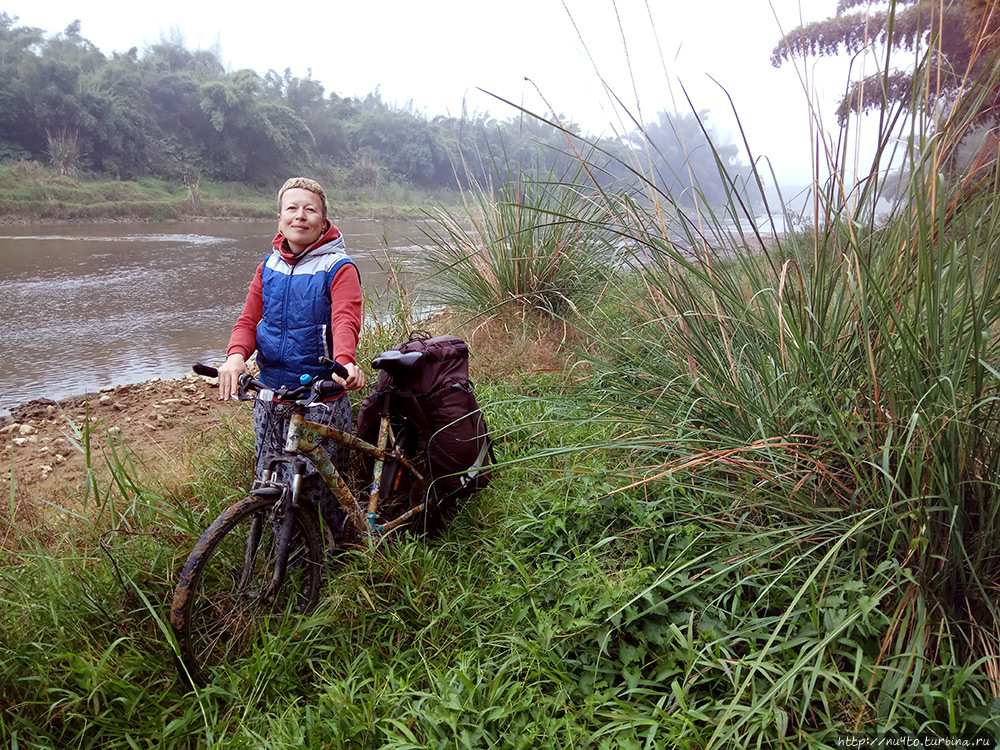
<point x="208" y="372"/>
<point x="315" y="389"/>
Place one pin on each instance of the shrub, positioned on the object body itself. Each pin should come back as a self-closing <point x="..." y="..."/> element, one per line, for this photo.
<point x="64" y="152"/>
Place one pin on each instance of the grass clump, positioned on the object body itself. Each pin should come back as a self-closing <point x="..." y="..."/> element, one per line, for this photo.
<point x="527" y="243"/>
<point x="815" y="416"/>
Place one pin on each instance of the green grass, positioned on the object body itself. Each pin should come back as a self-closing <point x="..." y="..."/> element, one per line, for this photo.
<point x="559" y="609"/>
<point x="406" y="646"/>
<point x="555" y="611"/>
<point x="30" y="192"/>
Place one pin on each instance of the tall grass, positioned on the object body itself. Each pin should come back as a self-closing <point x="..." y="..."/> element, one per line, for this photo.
<point x="824" y="406"/>
<point x="523" y="242"/>
<point x="827" y="406"/>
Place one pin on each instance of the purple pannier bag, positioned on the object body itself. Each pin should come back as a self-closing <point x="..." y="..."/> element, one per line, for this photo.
<point x="437" y="398"/>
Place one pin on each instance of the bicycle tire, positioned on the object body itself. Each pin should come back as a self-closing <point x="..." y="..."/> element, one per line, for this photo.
<point x="219" y="613"/>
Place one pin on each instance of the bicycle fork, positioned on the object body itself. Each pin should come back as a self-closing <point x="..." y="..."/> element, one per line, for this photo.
<point x="282" y="519"/>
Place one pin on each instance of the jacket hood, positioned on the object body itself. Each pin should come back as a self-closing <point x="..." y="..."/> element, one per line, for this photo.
<point x="331" y="241"/>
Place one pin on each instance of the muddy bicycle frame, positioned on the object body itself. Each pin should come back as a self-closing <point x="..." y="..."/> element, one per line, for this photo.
<point x="303" y="440"/>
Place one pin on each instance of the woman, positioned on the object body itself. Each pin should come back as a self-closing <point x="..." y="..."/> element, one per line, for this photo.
<point x="304" y="301"/>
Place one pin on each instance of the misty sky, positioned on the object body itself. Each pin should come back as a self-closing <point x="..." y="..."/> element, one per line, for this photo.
<point x="438" y="53"/>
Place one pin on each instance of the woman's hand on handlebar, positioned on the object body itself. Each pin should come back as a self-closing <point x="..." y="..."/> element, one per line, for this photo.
<point x="355" y="379"/>
<point x="350" y="376"/>
<point x="229" y="376"/>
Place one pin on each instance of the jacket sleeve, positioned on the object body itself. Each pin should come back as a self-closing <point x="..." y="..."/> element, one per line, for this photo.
<point x="244" y="337"/>
<point x="346" y="313"/>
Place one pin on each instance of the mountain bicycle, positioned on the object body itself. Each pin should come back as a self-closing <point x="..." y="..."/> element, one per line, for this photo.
<point x="262" y="560"/>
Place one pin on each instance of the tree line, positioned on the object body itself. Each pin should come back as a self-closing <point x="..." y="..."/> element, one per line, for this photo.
<point x="179" y="114"/>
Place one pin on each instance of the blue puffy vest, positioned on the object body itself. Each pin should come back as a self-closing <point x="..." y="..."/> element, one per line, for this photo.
<point x="294" y="330"/>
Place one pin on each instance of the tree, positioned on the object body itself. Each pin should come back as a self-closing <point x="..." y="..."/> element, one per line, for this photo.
<point x="48" y="78"/>
<point x="961" y="38"/>
<point x="522" y="144"/>
<point x="115" y="125"/>
<point x="16" y="44"/>
<point x="251" y="138"/>
<point x="405" y="143"/>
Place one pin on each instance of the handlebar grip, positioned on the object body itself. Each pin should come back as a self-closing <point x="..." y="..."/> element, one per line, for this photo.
<point x="338" y="369"/>
<point x="205" y="370"/>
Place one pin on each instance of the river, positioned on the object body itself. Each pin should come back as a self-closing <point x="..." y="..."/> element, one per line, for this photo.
<point x="92" y="305"/>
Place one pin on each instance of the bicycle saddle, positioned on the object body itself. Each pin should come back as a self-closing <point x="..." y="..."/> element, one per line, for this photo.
<point x="395" y="361"/>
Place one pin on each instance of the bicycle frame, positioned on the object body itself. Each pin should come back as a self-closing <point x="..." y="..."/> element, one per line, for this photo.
<point x="303" y="440"/>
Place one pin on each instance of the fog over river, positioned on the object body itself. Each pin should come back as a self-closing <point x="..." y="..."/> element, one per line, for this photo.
<point x="91" y="305"/>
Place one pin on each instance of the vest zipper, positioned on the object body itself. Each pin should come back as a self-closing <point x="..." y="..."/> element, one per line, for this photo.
<point x="284" y="321"/>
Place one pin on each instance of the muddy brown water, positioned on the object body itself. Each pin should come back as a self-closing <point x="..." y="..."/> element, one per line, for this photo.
<point x="85" y="306"/>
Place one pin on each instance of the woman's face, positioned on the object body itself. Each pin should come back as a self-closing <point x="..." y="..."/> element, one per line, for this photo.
<point x="301" y="219"/>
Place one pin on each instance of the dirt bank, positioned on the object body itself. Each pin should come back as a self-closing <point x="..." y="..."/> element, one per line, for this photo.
<point x="41" y="441"/>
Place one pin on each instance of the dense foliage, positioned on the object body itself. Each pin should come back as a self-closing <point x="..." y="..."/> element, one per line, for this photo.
<point x="819" y="408"/>
<point x="179" y="114"/>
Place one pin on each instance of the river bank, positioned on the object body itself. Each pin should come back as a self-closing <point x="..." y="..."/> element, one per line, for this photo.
<point x="42" y="442"/>
<point x="33" y="194"/>
<point x="161" y="424"/>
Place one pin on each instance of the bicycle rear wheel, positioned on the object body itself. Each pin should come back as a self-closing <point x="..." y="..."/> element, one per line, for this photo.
<point x="224" y="606"/>
<point x="405" y="492"/>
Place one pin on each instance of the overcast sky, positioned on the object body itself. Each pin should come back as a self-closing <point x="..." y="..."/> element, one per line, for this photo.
<point x="438" y="53"/>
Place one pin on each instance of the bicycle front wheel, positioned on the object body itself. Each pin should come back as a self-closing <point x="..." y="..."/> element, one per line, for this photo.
<point x="226" y="604"/>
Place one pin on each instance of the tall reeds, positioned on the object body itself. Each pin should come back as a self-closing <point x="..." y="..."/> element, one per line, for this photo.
<point x="528" y="242"/>
<point x="825" y="403"/>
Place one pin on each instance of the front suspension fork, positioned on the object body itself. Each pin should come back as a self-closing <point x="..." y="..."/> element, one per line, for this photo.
<point x="282" y="519"/>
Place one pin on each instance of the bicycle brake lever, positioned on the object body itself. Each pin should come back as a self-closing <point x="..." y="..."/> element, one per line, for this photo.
<point x="246" y="381"/>
<point x="241" y="394"/>
<point x="313" y="402"/>
<point x="321" y="389"/>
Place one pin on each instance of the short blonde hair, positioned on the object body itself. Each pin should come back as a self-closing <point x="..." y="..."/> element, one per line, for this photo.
<point x="306" y="184"/>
